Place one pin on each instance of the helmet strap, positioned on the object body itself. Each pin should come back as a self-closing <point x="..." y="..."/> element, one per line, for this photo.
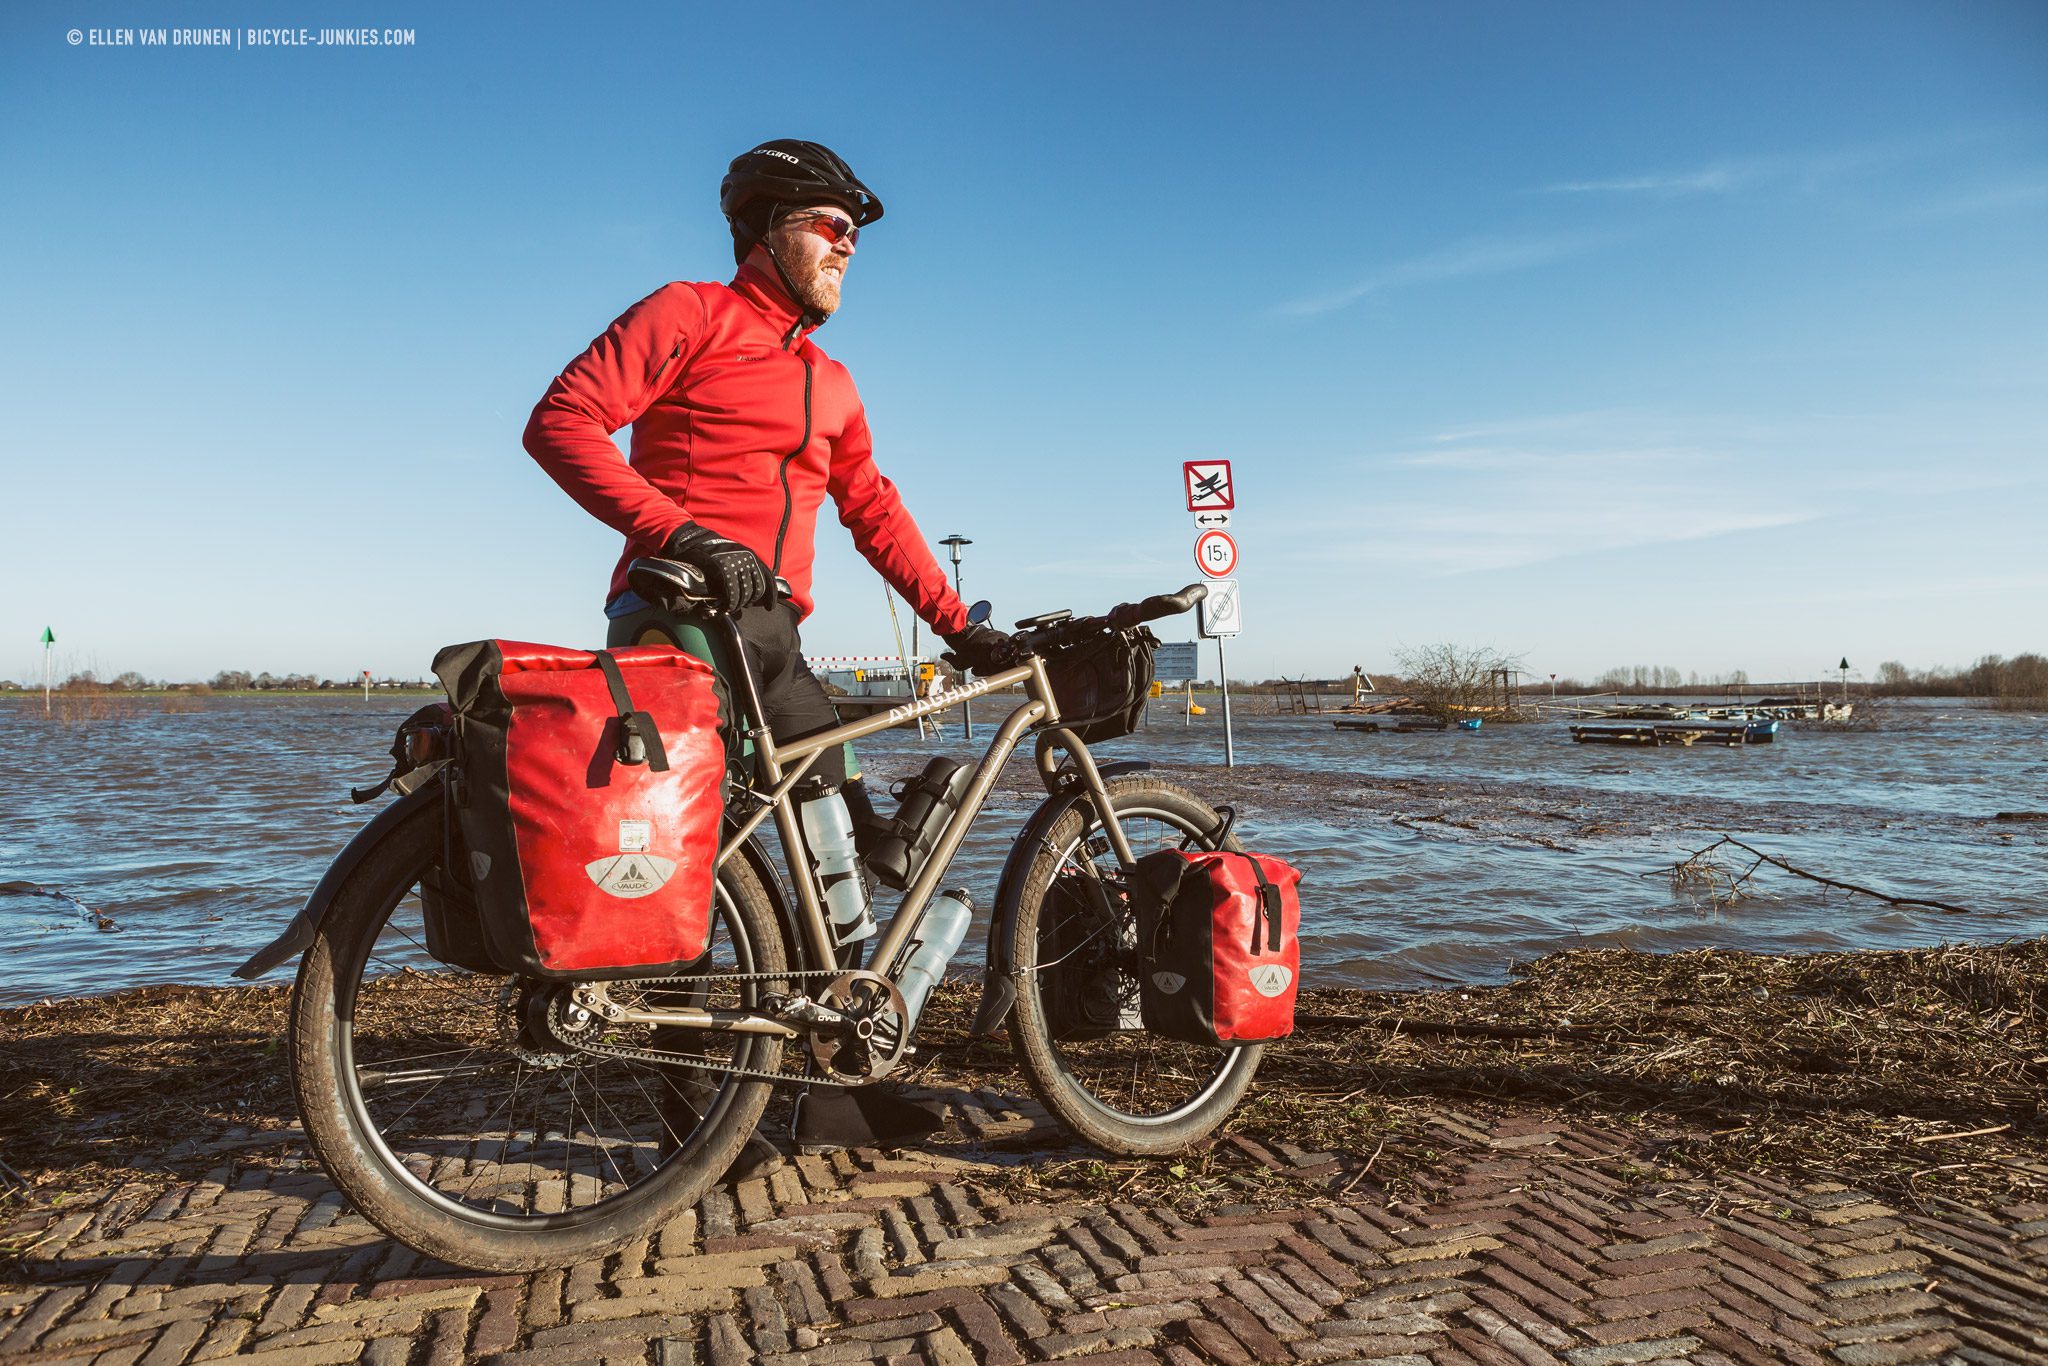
<point x="804" y="316"/>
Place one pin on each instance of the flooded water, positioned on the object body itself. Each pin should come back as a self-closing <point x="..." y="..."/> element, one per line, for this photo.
<point x="167" y="846"/>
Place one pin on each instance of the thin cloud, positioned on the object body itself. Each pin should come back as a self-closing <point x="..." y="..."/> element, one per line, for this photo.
<point x="1469" y="257"/>
<point x="1730" y="175"/>
<point x="1722" y="178"/>
<point x="2012" y="194"/>
<point x="1561" y="522"/>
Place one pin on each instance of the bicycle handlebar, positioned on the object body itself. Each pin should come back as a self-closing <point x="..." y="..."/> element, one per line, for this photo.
<point x="1122" y="617"/>
<point x="678" y="587"/>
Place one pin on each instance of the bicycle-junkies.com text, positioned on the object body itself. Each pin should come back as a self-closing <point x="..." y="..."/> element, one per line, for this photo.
<point x="241" y="38"/>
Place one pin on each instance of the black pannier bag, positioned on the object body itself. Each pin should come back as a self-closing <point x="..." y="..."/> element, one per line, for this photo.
<point x="1101" y="685"/>
<point x="1083" y="984"/>
<point x="419" y="751"/>
<point x="1219" y="945"/>
<point x="455" y="926"/>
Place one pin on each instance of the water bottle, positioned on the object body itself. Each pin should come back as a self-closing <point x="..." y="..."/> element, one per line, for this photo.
<point x="938" y="938"/>
<point x="828" y="830"/>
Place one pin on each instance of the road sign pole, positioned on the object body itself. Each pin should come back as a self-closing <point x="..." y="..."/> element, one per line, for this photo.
<point x="1223" y="683"/>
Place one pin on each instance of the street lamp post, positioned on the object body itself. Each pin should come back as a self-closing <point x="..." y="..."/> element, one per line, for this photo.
<point x="953" y="545"/>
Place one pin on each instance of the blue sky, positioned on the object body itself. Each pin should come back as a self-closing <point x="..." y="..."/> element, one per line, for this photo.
<point x="1713" y="336"/>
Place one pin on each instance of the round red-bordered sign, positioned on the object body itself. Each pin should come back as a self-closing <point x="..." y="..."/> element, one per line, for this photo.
<point x="1216" y="554"/>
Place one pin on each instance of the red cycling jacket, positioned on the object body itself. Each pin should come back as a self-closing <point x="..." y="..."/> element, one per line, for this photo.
<point x="732" y="429"/>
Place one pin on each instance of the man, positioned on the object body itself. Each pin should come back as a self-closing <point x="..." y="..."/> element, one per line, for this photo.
<point x="741" y="426"/>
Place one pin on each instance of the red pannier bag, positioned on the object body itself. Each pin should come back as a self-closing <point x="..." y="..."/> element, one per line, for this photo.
<point x="588" y="790"/>
<point x="1219" y="945"/>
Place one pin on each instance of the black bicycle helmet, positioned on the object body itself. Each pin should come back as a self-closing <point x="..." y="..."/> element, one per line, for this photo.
<point x="788" y="171"/>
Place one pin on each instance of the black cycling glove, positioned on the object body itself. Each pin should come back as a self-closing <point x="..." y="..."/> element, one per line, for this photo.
<point x="736" y="572"/>
<point x="984" y="650"/>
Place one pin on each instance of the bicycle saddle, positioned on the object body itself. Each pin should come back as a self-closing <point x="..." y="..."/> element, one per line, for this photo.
<point x="676" y="586"/>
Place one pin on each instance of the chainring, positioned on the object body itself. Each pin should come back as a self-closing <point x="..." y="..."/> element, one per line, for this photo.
<point x="871" y="1049"/>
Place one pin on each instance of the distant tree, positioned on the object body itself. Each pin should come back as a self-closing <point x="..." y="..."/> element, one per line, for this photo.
<point x="2023" y="683"/>
<point x="1449" y="681"/>
<point x="85" y="680"/>
<point x="130" y="681"/>
<point x="1982" y="678"/>
<point x="231" y="680"/>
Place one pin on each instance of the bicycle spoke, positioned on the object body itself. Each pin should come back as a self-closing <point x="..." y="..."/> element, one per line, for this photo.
<point x="1086" y="976"/>
<point x="440" y="1061"/>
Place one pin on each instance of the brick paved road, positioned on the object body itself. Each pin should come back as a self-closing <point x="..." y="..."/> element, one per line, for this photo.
<point x="1532" y="1241"/>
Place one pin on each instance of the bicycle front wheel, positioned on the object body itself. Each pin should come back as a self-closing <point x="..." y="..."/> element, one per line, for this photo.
<point x="1076" y="1029"/>
<point x="440" y="1103"/>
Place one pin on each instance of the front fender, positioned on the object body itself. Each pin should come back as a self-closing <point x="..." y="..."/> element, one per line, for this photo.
<point x="298" y="935"/>
<point x="998" y="990"/>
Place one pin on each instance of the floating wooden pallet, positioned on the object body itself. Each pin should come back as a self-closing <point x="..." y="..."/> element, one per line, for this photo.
<point x="1685" y="733"/>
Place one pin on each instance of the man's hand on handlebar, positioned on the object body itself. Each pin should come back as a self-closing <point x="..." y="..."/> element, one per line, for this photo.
<point x="984" y="650"/>
<point x="736" y="573"/>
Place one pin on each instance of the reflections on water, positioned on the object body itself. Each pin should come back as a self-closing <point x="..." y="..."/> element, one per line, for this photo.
<point x="162" y="847"/>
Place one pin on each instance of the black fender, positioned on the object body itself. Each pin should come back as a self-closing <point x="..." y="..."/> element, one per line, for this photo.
<point x="298" y="935"/>
<point x="998" y="988"/>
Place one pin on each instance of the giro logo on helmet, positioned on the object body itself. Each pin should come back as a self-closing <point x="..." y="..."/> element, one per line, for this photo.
<point x="775" y="152"/>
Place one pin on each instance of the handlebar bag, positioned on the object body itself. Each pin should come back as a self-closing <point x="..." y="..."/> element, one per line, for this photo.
<point x="1218" y="945"/>
<point x="1102" y="683"/>
<point x="587" y="789"/>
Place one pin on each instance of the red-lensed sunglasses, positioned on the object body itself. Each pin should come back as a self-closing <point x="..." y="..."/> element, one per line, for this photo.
<point x="830" y="226"/>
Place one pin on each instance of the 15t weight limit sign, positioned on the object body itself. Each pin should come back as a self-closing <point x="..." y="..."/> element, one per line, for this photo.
<point x="1216" y="554"/>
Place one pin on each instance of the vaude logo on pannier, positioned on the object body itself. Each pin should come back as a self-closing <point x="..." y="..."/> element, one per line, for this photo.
<point x="630" y="875"/>
<point x="1169" y="982"/>
<point x="1270" y="979"/>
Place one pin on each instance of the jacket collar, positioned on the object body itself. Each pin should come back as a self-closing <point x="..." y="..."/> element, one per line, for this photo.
<point x="761" y="289"/>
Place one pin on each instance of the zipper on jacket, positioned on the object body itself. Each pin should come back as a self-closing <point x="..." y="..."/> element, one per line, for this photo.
<point x="662" y="368"/>
<point x="788" y="501"/>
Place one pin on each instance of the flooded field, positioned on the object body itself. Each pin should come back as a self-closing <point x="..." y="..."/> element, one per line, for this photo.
<point x="166" y="846"/>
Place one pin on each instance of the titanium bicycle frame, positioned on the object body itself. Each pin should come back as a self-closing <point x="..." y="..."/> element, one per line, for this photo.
<point x="782" y="766"/>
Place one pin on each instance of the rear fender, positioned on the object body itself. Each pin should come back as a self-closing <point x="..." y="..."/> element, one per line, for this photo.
<point x="998" y="988"/>
<point x="298" y="935"/>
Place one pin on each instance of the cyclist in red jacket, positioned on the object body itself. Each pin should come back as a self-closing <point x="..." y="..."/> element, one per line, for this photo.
<point x="741" y="426"/>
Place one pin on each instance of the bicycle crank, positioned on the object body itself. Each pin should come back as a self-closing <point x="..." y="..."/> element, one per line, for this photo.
<point x="872" y="1042"/>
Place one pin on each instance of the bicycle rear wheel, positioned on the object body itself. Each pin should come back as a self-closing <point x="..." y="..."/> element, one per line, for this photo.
<point x="441" y="1105"/>
<point x="1076" y="1029"/>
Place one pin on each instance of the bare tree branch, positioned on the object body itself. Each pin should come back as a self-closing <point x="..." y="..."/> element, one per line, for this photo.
<point x="1698" y="867"/>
